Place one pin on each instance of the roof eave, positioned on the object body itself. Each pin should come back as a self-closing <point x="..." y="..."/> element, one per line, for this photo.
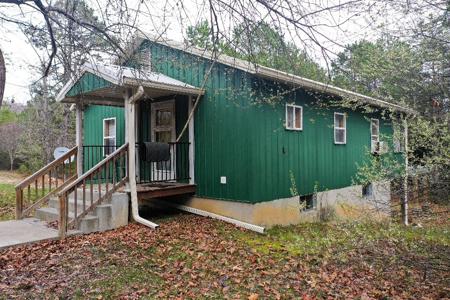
<point x="162" y="86"/>
<point x="265" y="71"/>
<point x="325" y="88"/>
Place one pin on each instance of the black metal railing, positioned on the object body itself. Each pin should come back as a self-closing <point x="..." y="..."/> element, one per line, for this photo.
<point x="175" y="169"/>
<point x="93" y="154"/>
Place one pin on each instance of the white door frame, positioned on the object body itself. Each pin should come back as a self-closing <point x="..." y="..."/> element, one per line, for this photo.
<point x="169" y="104"/>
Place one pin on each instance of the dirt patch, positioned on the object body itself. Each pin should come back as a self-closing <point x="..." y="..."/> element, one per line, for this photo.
<point x="9" y="177"/>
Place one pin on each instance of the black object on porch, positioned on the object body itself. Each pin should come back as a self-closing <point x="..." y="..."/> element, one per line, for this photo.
<point x="151" y="169"/>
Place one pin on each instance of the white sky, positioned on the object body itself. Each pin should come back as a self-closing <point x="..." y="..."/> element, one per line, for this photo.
<point x="19" y="54"/>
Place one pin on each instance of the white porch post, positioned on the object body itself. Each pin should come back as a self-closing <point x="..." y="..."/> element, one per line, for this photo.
<point x="126" y="96"/>
<point x="79" y="138"/>
<point x="136" y="138"/>
<point x="191" y="145"/>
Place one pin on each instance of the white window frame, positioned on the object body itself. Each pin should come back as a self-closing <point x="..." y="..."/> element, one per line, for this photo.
<point x="169" y="104"/>
<point x="109" y="137"/>
<point x="294" y="107"/>
<point x="398" y="140"/>
<point x="340" y="128"/>
<point x="372" y="146"/>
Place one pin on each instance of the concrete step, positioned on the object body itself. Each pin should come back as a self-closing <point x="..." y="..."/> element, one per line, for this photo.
<point x="108" y="215"/>
<point x="54" y="202"/>
<point x="87" y="224"/>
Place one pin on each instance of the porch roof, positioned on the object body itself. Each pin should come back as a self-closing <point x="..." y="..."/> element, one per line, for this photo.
<point x="106" y="84"/>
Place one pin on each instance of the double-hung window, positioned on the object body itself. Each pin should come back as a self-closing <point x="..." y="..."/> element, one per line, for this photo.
<point x="375" y="135"/>
<point x="340" y="128"/>
<point x="398" y="139"/>
<point x="109" y="136"/>
<point x="294" y="117"/>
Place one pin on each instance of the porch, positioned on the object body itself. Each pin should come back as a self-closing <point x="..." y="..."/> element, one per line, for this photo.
<point x="154" y="179"/>
<point x="146" y="149"/>
<point x="155" y="109"/>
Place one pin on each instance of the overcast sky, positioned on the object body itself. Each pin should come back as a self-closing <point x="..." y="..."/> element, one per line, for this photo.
<point x="173" y="21"/>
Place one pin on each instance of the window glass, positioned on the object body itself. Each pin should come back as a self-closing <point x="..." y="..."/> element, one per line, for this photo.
<point x="294" y="118"/>
<point x="290" y="117"/>
<point x="298" y="117"/>
<point x="164" y="136"/>
<point x="375" y="135"/>
<point x="110" y="128"/>
<point x="339" y="135"/>
<point x="109" y="136"/>
<point x="375" y="127"/>
<point x="339" y="121"/>
<point x="340" y="130"/>
<point x="163" y="117"/>
<point x="109" y="145"/>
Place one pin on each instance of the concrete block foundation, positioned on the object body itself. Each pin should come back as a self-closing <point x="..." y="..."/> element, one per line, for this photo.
<point x="340" y="204"/>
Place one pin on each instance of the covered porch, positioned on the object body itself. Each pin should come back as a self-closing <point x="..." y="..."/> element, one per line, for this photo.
<point x="118" y="105"/>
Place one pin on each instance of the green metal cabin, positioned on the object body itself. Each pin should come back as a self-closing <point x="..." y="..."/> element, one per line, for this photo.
<point x="255" y="132"/>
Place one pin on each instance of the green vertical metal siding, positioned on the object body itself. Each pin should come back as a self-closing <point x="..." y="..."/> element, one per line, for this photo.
<point x="222" y="146"/>
<point x="239" y="136"/>
<point x="88" y="82"/>
<point x="93" y="127"/>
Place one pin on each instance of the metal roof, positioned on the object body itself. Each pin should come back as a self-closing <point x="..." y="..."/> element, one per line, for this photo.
<point x="125" y="76"/>
<point x="266" y="72"/>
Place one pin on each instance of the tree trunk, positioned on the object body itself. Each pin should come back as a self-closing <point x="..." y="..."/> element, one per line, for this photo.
<point x="11" y="160"/>
<point x="2" y="76"/>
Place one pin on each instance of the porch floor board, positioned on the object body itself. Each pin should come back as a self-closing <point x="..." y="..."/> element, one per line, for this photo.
<point x="166" y="189"/>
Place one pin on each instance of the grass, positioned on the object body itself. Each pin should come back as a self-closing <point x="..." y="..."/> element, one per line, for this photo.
<point x="328" y="239"/>
<point x="7" y="201"/>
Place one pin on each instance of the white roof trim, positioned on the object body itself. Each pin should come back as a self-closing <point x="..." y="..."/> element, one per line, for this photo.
<point x="124" y="76"/>
<point x="265" y="71"/>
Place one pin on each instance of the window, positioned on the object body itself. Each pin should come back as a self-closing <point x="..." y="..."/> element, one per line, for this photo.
<point x="340" y="129"/>
<point x="367" y="190"/>
<point x="294" y="117"/>
<point x="375" y="135"/>
<point x="109" y="136"/>
<point x="398" y="140"/>
<point x="307" y="202"/>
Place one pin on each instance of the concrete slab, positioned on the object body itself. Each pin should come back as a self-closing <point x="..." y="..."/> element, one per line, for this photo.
<point x="30" y="230"/>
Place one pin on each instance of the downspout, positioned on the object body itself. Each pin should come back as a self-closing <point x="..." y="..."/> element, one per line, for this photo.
<point x="405" y="180"/>
<point x="131" y="131"/>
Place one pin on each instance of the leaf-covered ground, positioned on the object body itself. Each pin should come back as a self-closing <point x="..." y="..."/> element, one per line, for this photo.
<point x="196" y="257"/>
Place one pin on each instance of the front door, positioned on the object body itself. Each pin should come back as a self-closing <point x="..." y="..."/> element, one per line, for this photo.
<point x="163" y="131"/>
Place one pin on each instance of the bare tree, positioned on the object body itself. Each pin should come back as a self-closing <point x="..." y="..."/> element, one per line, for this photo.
<point x="10" y="135"/>
<point x="2" y="77"/>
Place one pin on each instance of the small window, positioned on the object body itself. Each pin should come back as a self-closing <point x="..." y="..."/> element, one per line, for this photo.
<point x="294" y="117"/>
<point x="398" y="140"/>
<point x="367" y="190"/>
<point x="307" y="202"/>
<point x="109" y="136"/>
<point x="340" y="128"/>
<point x="375" y="135"/>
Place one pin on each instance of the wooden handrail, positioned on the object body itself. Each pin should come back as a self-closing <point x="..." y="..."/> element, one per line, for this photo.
<point x="107" y="175"/>
<point x="43" y="188"/>
<point x="44" y="170"/>
<point x="94" y="168"/>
